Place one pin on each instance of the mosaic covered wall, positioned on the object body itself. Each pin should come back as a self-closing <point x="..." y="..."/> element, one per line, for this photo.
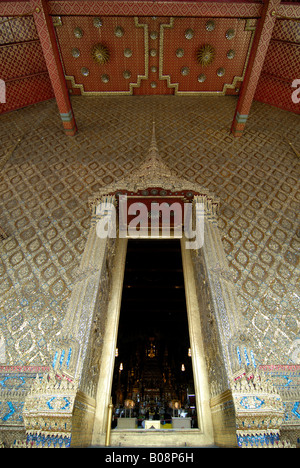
<point x="281" y="66"/>
<point x="48" y="179"/>
<point x="23" y="66"/>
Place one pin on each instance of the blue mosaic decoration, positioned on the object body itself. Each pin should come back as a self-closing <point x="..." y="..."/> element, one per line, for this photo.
<point x="15" y="382"/>
<point x="47" y="441"/>
<point x="62" y="358"/>
<point x="251" y="402"/>
<point x="296" y="409"/>
<point x="59" y="402"/>
<point x="257" y="440"/>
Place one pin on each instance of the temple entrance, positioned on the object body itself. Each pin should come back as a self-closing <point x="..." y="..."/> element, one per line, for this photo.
<point x="146" y="343"/>
<point x="153" y="384"/>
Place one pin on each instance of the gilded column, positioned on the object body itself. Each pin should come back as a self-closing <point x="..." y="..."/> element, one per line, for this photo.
<point x="85" y="303"/>
<point x="226" y="307"/>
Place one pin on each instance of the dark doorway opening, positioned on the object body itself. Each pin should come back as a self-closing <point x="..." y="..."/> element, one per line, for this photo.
<point x="153" y="376"/>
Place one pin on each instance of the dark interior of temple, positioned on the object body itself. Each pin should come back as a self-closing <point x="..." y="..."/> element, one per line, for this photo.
<point x="153" y="376"/>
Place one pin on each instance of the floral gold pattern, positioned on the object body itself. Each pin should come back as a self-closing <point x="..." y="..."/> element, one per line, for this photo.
<point x="210" y="25"/>
<point x="179" y="53"/>
<point x="206" y="55"/>
<point x="119" y="31"/>
<point x="100" y="54"/>
<point x="97" y="22"/>
<point x="230" y="33"/>
<point x="189" y="33"/>
<point x="201" y="78"/>
<point x="78" y="33"/>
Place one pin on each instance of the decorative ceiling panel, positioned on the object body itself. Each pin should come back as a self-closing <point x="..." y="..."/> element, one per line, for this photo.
<point x="205" y="55"/>
<point x="154" y="55"/>
<point x="124" y="39"/>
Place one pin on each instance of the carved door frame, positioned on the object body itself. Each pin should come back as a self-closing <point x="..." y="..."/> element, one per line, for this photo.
<point x="91" y="323"/>
<point x="205" y="431"/>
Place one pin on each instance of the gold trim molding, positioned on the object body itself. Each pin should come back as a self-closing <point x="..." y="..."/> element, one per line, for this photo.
<point x="222" y="398"/>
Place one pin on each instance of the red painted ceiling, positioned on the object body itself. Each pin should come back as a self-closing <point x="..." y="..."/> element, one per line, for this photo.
<point x="154" y="66"/>
<point x="163" y="52"/>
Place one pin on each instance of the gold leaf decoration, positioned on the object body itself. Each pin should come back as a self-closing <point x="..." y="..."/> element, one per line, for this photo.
<point x="206" y="55"/>
<point x="100" y="54"/>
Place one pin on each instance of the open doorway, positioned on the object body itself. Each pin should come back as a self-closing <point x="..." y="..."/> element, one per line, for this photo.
<point x="153" y="383"/>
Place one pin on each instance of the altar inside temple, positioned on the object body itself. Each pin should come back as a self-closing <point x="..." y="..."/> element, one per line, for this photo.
<point x="153" y="386"/>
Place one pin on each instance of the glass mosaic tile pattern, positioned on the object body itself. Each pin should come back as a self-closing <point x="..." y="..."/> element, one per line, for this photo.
<point x="46" y="182"/>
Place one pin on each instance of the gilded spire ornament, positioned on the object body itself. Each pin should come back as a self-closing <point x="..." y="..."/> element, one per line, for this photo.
<point x="153" y="173"/>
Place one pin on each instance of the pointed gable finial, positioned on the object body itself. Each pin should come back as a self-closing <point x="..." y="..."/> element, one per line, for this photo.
<point x="153" y="173"/>
<point x="153" y="164"/>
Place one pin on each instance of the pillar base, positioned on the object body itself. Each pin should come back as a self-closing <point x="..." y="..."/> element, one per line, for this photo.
<point x="69" y="123"/>
<point x="238" y="124"/>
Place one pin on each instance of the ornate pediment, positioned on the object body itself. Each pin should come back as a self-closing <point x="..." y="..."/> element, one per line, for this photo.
<point x="154" y="178"/>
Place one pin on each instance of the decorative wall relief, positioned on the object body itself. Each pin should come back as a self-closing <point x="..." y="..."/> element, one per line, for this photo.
<point x="155" y="41"/>
<point x="100" y="54"/>
<point x="78" y="33"/>
<point x="105" y="41"/>
<point x="259" y="408"/>
<point x="189" y="34"/>
<point x="206" y="55"/>
<point x="211" y="54"/>
<point x="48" y="410"/>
